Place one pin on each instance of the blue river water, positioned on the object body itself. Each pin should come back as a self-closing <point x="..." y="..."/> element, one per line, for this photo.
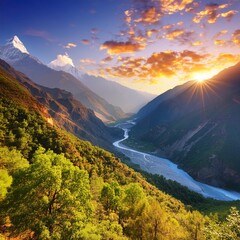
<point x="169" y="170"/>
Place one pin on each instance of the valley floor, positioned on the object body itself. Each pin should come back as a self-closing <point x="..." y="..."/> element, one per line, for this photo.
<point x="169" y="170"/>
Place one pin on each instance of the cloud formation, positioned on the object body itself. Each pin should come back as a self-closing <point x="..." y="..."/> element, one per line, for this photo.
<point x="159" y="65"/>
<point x="88" y="61"/>
<point x="236" y="37"/>
<point x="220" y="42"/>
<point x="228" y="15"/>
<point x="114" y="47"/>
<point x="85" y="41"/>
<point x="40" y="33"/>
<point x="62" y="60"/>
<point x="149" y="16"/>
<point x="172" y="6"/>
<point x="70" y="45"/>
<point x="211" y="13"/>
<point x="107" y="59"/>
<point x="197" y="43"/>
<point x="220" y="33"/>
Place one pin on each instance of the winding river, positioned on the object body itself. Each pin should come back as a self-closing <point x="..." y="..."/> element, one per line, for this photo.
<point x="169" y="170"/>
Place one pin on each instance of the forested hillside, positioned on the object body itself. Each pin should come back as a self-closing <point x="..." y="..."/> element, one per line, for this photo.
<point x="56" y="186"/>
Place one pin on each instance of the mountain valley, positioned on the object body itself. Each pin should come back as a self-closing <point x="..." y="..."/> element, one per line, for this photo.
<point x="197" y="126"/>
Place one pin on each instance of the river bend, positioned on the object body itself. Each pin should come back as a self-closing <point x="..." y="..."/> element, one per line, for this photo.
<point x="164" y="167"/>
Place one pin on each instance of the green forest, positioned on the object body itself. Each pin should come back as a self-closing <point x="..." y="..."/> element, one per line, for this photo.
<point x="56" y="186"/>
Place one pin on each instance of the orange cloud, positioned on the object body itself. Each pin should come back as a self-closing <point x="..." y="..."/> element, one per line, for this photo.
<point x="210" y="12"/>
<point x="150" y="32"/>
<point x="114" y="47"/>
<point x="174" y="34"/>
<point x="172" y="6"/>
<point x="191" y="7"/>
<point x="159" y="65"/>
<point x="148" y="16"/>
<point x="228" y="15"/>
<point x="108" y="59"/>
<point x="225" y="58"/>
<point x="236" y="37"/>
<point x="181" y="35"/>
<point x="197" y="43"/>
<point x="220" y="42"/>
<point x="85" y="41"/>
<point x="168" y="26"/>
<point x="70" y="45"/>
<point x="180" y="23"/>
<point x="87" y="61"/>
<point x="220" y="33"/>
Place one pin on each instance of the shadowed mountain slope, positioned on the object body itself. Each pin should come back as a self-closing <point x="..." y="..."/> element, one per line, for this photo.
<point x="199" y="128"/>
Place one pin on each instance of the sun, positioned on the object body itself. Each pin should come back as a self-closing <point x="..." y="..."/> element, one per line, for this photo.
<point x="200" y="80"/>
<point x="200" y="77"/>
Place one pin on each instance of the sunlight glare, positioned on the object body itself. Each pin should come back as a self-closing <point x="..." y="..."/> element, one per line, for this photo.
<point x="202" y="76"/>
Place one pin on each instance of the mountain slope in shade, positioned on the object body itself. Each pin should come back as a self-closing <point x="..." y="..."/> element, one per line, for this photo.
<point x="48" y="77"/>
<point x="62" y="107"/>
<point x="128" y="99"/>
<point x="152" y="105"/>
<point x="199" y="129"/>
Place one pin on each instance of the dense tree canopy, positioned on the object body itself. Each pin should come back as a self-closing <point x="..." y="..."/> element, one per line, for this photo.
<point x="55" y="186"/>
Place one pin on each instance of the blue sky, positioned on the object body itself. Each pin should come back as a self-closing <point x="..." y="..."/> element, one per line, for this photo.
<point x="149" y="45"/>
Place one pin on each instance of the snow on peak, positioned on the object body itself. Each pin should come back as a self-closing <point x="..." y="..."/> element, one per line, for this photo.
<point x="16" y="43"/>
<point x="61" y="61"/>
<point x="65" y="63"/>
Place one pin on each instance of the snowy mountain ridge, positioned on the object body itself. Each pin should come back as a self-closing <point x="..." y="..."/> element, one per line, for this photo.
<point x="14" y="51"/>
<point x="16" y="43"/>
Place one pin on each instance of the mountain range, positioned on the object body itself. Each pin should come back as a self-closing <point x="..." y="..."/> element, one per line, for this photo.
<point x="63" y="110"/>
<point x="55" y="186"/>
<point x="197" y="126"/>
<point x="126" y="98"/>
<point x="15" y="53"/>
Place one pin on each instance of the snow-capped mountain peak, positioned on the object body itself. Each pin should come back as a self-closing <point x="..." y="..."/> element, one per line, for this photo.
<point x="16" y="43"/>
<point x="65" y="63"/>
<point x="13" y="51"/>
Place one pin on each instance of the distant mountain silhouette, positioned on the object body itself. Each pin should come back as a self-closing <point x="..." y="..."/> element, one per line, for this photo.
<point x="198" y="126"/>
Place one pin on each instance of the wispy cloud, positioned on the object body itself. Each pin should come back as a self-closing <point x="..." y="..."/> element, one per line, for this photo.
<point x="220" y="33"/>
<point x="70" y="45"/>
<point x="212" y="13"/>
<point x="228" y="15"/>
<point x="40" y="33"/>
<point x="197" y="43"/>
<point x="149" y="16"/>
<point x="236" y="37"/>
<point x="85" y="41"/>
<point x="107" y="59"/>
<point x="88" y="61"/>
<point x="114" y="47"/>
<point x="220" y="42"/>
